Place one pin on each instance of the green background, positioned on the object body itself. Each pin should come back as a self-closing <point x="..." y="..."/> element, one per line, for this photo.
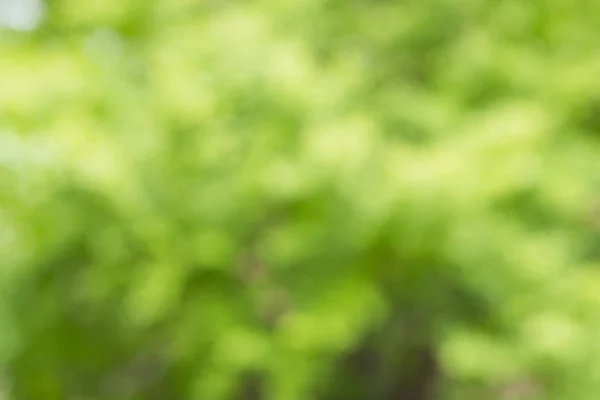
<point x="301" y="200"/>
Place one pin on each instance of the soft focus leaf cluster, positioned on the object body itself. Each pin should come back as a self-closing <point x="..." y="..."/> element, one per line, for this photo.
<point x="215" y="200"/>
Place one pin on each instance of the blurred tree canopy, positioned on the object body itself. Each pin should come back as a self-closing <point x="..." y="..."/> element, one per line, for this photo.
<point x="298" y="200"/>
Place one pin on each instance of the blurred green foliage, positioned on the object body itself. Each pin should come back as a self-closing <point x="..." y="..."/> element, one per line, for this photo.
<point x="304" y="199"/>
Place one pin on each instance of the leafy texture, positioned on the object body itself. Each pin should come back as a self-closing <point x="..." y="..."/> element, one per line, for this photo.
<point x="305" y="199"/>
